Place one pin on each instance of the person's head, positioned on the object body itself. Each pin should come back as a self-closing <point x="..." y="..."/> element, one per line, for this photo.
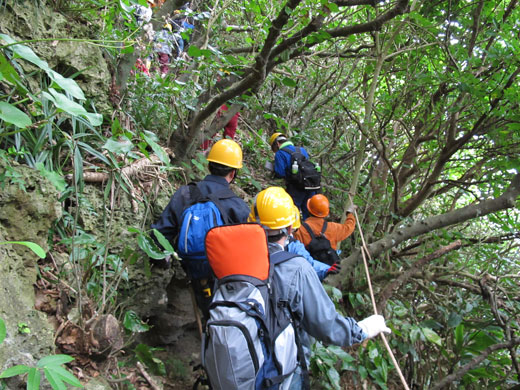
<point x="168" y="27"/>
<point x="276" y="140"/>
<point x="273" y="208"/>
<point x="225" y="157"/>
<point x="318" y="205"/>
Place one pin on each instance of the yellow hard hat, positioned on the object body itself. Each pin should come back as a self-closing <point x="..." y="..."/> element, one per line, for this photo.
<point x="168" y="26"/>
<point x="297" y="223"/>
<point x="273" y="138"/>
<point x="318" y="205"/>
<point x="273" y="208"/>
<point x="226" y="152"/>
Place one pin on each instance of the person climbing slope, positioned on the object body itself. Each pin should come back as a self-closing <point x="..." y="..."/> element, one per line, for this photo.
<point x="302" y="177"/>
<point x="225" y="159"/>
<point x="299" y="291"/>
<point x="321" y="237"/>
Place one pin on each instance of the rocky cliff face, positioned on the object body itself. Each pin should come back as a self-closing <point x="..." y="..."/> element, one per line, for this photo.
<point x="28" y="207"/>
<point x="66" y="44"/>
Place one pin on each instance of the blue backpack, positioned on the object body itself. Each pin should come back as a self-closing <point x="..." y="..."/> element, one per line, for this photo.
<point x="202" y="213"/>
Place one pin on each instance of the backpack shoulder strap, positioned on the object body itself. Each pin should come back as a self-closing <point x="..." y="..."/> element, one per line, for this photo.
<point x="287" y="150"/>
<point x="280" y="257"/>
<point x="309" y="230"/>
<point x="324" y="228"/>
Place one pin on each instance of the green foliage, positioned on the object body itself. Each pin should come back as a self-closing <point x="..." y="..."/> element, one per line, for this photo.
<point x="52" y="367"/>
<point x="133" y="323"/>
<point x="38" y="250"/>
<point x="145" y="355"/>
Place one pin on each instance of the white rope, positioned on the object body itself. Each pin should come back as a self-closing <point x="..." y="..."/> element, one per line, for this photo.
<point x="363" y="250"/>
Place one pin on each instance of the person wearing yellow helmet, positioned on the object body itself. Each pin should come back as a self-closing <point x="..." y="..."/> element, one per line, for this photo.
<point x="290" y="163"/>
<point x="300" y="289"/>
<point x="225" y="159"/>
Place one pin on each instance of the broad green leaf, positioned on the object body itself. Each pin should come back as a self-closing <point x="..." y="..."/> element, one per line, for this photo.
<point x="63" y="102"/>
<point x="54" y="380"/>
<point x="121" y="146"/>
<point x="289" y="82"/>
<point x="25" y="52"/>
<point x="431" y="336"/>
<point x="54" y="177"/>
<point x="31" y="245"/>
<point x="9" y="73"/>
<point x="163" y="241"/>
<point x="3" y="331"/>
<point x="459" y="337"/>
<point x="33" y="379"/>
<point x="158" y="150"/>
<point x="94" y="119"/>
<point x="54" y="360"/>
<point x="133" y="323"/>
<point x="149" y="247"/>
<point x="11" y="114"/>
<point x="193" y="51"/>
<point x="13" y="371"/>
<point x="65" y="375"/>
<point x="68" y="85"/>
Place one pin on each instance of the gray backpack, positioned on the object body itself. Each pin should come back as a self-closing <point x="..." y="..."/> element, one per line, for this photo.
<point x="251" y="340"/>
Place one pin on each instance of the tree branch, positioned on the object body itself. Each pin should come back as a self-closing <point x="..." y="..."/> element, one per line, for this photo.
<point x="504" y="201"/>
<point x="473" y="363"/>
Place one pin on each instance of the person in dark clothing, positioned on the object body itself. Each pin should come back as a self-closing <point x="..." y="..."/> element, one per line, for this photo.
<point x="225" y="158"/>
<point x="282" y="169"/>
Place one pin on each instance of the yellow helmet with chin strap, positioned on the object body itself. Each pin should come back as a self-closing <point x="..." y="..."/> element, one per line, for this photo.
<point x="226" y="152"/>
<point x="273" y="208"/>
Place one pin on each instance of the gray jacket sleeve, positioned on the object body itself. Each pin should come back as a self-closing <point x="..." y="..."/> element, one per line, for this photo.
<point x="310" y="302"/>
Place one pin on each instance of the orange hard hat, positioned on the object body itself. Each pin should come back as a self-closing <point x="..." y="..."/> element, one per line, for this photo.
<point x="318" y="205"/>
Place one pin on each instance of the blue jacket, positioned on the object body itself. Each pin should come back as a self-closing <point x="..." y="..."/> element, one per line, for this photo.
<point x="297" y="283"/>
<point x="170" y="221"/>
<point x="282" y="168"/>
<point x="296" y="247"/>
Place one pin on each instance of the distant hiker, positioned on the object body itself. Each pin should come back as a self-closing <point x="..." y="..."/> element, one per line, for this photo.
<point x="230" y="128"/>
<point x="143" y="14"/>
<point x="198" y="206"/>
<point x="235" y="361"/>
<point x="164" y="42"/>
<point x="321" y="237"/>
<point x="180" y="24"/>
<point x="302" y="177"/>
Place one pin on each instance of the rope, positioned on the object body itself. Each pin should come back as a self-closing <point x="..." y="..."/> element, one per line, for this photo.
<point x="385" y="342"/>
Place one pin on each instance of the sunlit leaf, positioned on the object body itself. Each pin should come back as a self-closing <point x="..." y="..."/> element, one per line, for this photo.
<point x="38" y="250"/>
<point x="33" y="379"/>
<point x="11" y="114"/>
<point x="15" y="370"/>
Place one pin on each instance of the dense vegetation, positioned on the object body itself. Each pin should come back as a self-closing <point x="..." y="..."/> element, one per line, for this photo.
<point x="410" y="107"/>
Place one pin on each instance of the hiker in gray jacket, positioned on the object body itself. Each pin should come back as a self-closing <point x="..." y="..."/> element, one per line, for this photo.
<point x="299" y="286"/>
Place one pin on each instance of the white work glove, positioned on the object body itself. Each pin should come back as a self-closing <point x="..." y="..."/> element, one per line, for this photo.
<point x="351" y="208"/>
<point x="269" y="166"/>
<point x="374" y="325"/>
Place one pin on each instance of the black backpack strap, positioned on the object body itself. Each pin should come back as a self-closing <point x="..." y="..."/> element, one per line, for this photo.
<point x="324" y="228"/>
<point x="309" y="230"/>
<point x="196" y="196"/>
